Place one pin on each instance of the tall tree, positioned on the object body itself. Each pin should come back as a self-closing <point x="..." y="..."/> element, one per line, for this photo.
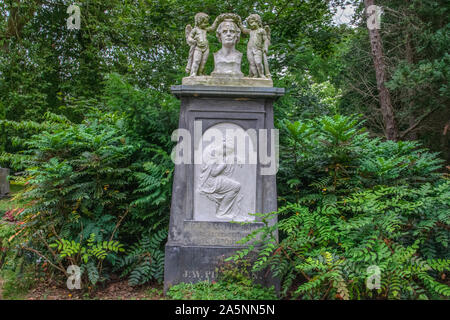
<point x="415" y="43"/>
<point x="376" y="45"/>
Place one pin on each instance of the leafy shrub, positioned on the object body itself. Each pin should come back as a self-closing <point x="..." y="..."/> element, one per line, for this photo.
<point x="16" y="283"/>
<point x="77" y="185"/>
<point x="88" y="257"/>
<point x="109" y="175"/>
<point x="145" y="259"/>
<point x="7" y="230"/>
<point x="356" y="203"/>
<point x="15" y="268"/>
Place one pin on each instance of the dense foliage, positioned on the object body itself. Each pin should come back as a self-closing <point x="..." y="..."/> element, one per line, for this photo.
<point x="353" y="204"/>
<point x="108" y="177"/>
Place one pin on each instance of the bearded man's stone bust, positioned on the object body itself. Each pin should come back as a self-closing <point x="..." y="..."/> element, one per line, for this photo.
<point x="227" y="61"/>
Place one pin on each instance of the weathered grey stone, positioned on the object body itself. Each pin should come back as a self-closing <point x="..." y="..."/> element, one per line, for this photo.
<point x="216" y="233"/>
<point x="198" y="43"/>
<point x="227" y="61"/>
<point x="198" y="236"/>
<point x="4" y="183"/>
<point x="200" y="263"/>
<point x="232" y="92"/>
<point x="257" y="47"/>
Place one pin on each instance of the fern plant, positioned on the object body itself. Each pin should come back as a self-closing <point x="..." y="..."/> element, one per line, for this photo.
<point x="109" y="173"/>
<point x="357" y="204"/>
<point x="88" y="257"/>
<point x="145" y="260"/>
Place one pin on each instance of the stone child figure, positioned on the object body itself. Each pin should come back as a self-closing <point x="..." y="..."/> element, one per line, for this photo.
<point x="257" y="46"/>
<point x="197" y="40"/>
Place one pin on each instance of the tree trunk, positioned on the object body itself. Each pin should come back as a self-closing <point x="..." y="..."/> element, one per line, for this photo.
<point x="387" y="111"/>
<point x="17" y="19"/>
<point x="411" y="118"/>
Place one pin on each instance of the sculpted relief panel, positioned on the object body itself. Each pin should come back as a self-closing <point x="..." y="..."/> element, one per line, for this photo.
<point x="225" y="181"/>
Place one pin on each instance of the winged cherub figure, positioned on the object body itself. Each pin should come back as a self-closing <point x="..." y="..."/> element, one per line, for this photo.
<point x="257" y="46"/>
<point x="197" y="40"/>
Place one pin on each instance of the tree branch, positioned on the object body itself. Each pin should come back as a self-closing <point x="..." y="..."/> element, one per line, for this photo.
<point x="414" y="126"/>
<point x="45" y="258"/>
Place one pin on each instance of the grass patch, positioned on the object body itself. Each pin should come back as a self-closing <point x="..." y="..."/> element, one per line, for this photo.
<point x="155" y="294"/>
<point x="15" y="284"/>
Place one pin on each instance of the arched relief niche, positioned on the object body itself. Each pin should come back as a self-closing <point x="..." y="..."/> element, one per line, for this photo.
<point x="225" y="181"/>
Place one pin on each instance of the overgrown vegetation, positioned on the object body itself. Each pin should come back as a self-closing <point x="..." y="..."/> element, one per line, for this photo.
<point x="356" y="203"/>
<point x="108" y="177"/>
<point x="17" y="271"/>
<point x="234" y="283"/>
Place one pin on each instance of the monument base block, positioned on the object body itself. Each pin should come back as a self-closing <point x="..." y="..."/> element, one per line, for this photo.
<point x="191" y="264"/>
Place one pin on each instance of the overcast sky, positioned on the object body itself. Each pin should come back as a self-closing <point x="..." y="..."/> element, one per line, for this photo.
<point x="344" y="16"/>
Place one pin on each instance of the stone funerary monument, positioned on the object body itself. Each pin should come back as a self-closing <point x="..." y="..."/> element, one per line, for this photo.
<point x="226" y="159"/>
<point x="4" y="183"/>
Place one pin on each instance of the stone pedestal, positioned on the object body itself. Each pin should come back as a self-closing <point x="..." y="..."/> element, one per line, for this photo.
<point x="201" y="231"/>
<point x="4" y="183"/>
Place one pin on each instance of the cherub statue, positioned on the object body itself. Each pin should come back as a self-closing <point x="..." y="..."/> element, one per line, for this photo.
<point x="257" y="46"/>
<point x="197" y="40"/>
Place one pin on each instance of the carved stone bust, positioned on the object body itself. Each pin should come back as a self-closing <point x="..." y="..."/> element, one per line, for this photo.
<point x="227" y="61"/>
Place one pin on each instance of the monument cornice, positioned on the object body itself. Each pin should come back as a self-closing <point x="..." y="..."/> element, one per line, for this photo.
<point x="229" y="91"/>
